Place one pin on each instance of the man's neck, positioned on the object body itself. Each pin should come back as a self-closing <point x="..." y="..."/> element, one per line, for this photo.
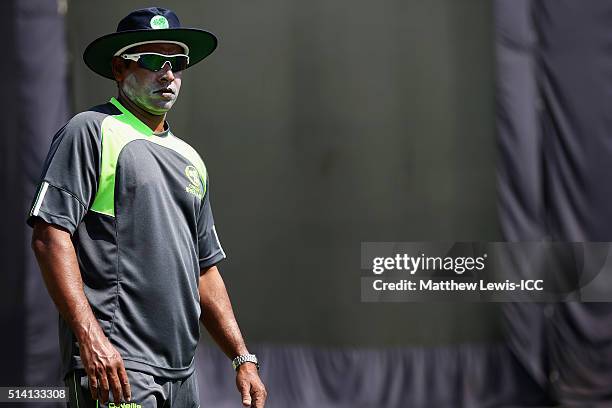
<point x="154" y="122"/>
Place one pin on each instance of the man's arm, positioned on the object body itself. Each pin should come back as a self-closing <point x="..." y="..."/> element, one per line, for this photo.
<point x="218" y="318"/>
<point x="60" y="269"/>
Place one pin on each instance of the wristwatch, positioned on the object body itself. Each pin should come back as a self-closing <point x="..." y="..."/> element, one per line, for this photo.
<point x="245" y="358"/>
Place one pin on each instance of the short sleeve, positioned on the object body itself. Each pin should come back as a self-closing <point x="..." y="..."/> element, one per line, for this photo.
<point x="69" y="179"/>
<point x="210" y="251"/>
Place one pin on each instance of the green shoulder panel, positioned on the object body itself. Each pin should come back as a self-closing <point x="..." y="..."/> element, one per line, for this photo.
<point x="118" y="131"/>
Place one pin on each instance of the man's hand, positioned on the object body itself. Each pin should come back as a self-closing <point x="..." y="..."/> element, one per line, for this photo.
<point x="104" y="367"/>
<point x="251" y="388"/>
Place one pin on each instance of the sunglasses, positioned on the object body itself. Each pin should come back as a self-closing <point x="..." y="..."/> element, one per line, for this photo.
<point x="154" y="62"/>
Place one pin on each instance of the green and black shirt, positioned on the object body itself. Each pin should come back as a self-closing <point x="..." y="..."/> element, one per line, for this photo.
<point x="137" y="204"/>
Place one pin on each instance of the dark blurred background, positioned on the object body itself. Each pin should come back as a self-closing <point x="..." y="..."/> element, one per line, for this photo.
<point x="325" y="124"/>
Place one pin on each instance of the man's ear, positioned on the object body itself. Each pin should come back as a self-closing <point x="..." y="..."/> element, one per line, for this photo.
<point x="119" y="68"/>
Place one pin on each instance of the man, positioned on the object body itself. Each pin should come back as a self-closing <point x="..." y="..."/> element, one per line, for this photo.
<point x="124" y="233"/>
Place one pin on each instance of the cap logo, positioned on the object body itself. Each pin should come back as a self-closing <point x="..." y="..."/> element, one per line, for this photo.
<point x="159" y="22"/>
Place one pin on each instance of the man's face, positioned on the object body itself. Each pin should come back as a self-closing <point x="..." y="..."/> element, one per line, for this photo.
<point x="155" y="92"/>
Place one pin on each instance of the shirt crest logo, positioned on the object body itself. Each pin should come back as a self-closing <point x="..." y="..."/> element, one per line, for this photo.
<point x="195" y="186"/>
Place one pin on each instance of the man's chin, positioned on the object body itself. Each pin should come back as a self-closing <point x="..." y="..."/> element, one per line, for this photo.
<point x="160" y="109"/>
<point x="158" y="112"/>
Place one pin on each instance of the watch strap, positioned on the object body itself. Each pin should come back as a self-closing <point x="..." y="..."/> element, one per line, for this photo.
<point x="245" y="358"/>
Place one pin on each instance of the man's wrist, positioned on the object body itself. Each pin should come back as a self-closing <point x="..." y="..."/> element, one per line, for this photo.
<point x="247" y="367"/>
<point x="86" y="331"/>
<point x="82" y="331"/>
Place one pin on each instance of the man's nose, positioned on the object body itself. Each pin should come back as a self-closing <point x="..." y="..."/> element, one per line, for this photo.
<point x="168" y="75"/>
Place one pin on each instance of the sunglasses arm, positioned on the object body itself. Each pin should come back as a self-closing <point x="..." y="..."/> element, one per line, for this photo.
<point x="133" y="57"/>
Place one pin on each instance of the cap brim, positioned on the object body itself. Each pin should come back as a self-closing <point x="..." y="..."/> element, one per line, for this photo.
<point x="99" y="53"/>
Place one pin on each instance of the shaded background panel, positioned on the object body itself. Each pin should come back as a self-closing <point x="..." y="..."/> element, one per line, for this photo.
<point x="34" y="106"/>
<point x="325" y="124"/>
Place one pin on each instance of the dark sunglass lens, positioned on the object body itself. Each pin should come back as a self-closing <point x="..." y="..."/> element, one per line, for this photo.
<point x="178" y="63"/>
<point x="151" y="62"/>
<point x="154" y="62"/>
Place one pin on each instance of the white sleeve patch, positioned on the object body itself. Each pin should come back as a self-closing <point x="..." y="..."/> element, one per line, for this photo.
<point x="40" y="198"/>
